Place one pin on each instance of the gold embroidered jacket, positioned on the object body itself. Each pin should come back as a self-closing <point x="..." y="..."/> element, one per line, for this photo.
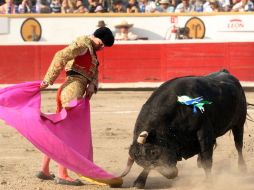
<point x="65" y="58"/>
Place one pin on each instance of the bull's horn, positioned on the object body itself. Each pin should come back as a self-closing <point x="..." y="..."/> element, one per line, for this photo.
<point x="128" y="167"/>
<point x="142" y="137"/>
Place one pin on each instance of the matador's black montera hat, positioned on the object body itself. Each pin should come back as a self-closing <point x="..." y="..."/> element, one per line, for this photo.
<point x="105" y="35"/>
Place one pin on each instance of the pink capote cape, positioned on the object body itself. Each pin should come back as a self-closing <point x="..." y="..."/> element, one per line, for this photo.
<point x="65" y="137"/>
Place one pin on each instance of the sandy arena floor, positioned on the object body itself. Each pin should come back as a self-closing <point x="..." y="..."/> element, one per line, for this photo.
<point x="113" y="118"/>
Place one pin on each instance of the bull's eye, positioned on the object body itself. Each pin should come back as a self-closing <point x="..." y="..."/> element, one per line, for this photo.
<point x="154" y="154"/>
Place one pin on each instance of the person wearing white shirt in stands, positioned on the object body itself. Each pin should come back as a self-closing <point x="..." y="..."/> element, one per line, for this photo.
<point x="225" y="5"/>
<point x="146" y="6"/>
<point x="8" y="7"/>
<point x="212" y="6"/>
<point x="124" y="33"/>
<point x="184" y="7"/>
<point x="165" y="6"/>
<point x="243" y="6"/>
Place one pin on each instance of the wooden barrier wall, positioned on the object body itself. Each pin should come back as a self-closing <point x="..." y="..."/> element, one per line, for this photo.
<point x="135" y="62"/>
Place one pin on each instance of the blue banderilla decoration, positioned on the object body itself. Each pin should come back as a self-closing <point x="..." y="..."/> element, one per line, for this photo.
<point x="197" y="103"/>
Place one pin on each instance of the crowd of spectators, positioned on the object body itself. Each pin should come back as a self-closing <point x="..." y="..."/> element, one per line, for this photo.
<point x="123" y="6"/>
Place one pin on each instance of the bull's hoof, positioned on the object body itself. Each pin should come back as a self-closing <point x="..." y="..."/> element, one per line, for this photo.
<point x="199" y="164"/>
<point x="209" y="180"/>
<point x="139" y="184"/>
<point x="242" y="168"/>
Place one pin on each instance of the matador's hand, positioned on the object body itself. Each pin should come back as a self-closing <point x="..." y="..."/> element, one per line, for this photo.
<point x="44" y="85"/>
<point x="90" y="90"/>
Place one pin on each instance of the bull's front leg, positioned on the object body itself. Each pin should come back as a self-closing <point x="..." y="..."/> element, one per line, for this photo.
<point x="199" y="161"/>
<point x="140" y="182"/>
<point x="206" y="140"/>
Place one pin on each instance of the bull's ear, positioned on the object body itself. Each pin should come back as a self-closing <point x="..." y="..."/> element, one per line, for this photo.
<point x="142" y="137"/>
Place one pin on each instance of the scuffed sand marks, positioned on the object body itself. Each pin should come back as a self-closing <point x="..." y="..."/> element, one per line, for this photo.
<point x="113" y="118"/>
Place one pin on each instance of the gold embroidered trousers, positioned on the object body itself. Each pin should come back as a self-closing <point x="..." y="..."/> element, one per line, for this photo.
<point x="74" y="87"/>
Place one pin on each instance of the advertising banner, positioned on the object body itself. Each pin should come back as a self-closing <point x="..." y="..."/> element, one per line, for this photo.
<point x="235" y="23"/>
<point x="64" y="29"/>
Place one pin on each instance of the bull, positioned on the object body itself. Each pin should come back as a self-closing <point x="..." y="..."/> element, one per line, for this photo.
<point x="167" y="131"/>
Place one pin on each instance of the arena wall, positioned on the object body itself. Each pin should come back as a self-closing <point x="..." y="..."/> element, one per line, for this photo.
<point x="228" y="43"/>
<point x="136" y="62"/>
<point x="63" y="28"/>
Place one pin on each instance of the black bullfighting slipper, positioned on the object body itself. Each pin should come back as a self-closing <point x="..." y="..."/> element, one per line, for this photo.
<point x="43" y="176"/>
<point x="61" y="181"/>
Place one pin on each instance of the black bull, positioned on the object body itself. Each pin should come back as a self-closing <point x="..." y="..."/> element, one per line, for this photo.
<point x="166" y="131"/>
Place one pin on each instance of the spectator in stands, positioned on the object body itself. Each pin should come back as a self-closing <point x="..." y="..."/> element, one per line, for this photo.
<point x="233" y="2"/>
<point x="176" y="2"/>
<point x="132" y="6"/>
<point x="99" y="9"/>
<point x="17" y="2"/>
<point x="198" y="5"/>
<point x="215" y="6"/>
<point x="56" y="6"/>
<point x="8" y="7"/>
<point x="118" y="7"/>
<point x="207" y="7"/>
<point x="65" y="6"/>
<point x="212" y="6"/>
<point x="73" y="6"/>
<point x="243" y="6"/>
<point x="68" y="6"/>
<point x="42" y="6"/>
<point x="25" y="7"/>
<point x="146" y="6"/>
<point x="101" y="23"/>
<point x="2" y="2"/>
<point x="184" y="7"/>
<point x="225" y="5"/>
<point x="166" y="6"/>
<point x="124" y="33"/>
<point x="80" y="7"/>
<point x="93" y="4"/>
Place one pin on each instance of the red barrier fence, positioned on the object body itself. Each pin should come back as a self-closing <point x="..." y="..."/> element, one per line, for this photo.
<point x="135" y="62"/>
